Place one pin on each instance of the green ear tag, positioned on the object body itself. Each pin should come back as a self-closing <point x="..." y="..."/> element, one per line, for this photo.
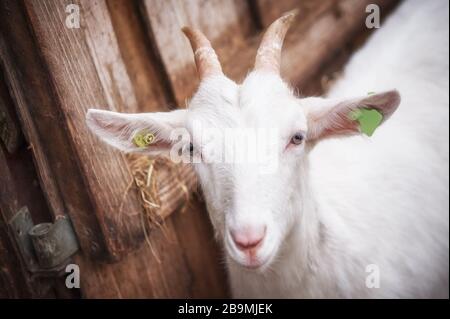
<point x="369" y="119"/>
<point x="143" y="139"/>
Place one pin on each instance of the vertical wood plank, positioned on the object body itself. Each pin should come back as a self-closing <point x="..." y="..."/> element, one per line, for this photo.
<point x="64" y="54"/>
<point x="308" y="10"/>
<point x="18" y="188"/>
<point x="330" y="30"/>
<point x="172" y="266"/>
<point x="10" y="132"/>
<point x="226" y="24"/>
<point x="146" y="72"/>
<point x="178" y="264"/>
<point x="86" y="71"/>
<point x="269" y="10"/>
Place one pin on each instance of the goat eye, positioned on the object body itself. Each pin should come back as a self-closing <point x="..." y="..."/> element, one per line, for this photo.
<point x="297" y="138"/>
<point x="191" y="148"/>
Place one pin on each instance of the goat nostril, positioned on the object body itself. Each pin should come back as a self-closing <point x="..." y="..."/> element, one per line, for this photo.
<point x="248" y="238"/>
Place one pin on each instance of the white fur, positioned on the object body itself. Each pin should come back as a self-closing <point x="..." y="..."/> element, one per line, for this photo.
<point x="337" y="205"/>
<point x="382" y="200"/>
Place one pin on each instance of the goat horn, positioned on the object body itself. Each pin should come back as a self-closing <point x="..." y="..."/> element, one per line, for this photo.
<point x="269" y="52"/>
<point x="205" y="56"/>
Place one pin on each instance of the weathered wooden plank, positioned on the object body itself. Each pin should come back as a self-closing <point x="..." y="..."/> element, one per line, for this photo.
<point x="269" y="10"/>
<point x="226" y="23"/>
<point x="208" y="275"/>
<point x="10" y="132"/>
<point x="154" y="272"/>
<point x="99" y="36"/>
<point x="174" y="187"/>
<point x="181" y="271"/>
<point x="327" y="36"/>
<point x="63" y="92"/>
<point x="19" y="187"/>
<point x="12" y="284"/>
<point x="52" y="95"/>
<point x="145" y="70"/>
<point x="310" y="42"/>
<point x="15" y="77"/>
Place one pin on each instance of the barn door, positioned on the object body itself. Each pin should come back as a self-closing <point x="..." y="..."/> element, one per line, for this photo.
<point x="53" y="73"/>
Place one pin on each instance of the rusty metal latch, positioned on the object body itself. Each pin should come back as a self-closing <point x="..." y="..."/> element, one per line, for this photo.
<point x="46" y="248"/>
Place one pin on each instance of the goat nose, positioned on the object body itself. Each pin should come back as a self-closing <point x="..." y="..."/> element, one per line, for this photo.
<point x="248" y="237"/>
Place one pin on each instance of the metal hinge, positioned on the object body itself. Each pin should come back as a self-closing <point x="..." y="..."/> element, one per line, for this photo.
<point x="45" y="248"/>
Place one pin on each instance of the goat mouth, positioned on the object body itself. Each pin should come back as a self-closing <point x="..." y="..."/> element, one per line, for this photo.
<point x="259" y="266"/>
<point x="251" y="262"/>
<point x="254" y="265"/>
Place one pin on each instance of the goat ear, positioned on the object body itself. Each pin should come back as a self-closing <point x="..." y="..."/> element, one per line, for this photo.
<point x="148" y="133"/>
<point x="343" y="118"/>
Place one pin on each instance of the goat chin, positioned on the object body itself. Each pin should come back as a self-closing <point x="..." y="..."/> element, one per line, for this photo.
<point x="340" y="240"/>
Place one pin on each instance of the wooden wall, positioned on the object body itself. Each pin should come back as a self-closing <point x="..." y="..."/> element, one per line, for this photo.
<point x="130" y="56"/>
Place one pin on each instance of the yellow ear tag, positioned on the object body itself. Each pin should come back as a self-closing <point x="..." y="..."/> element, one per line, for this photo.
<point x="143" y="139"/>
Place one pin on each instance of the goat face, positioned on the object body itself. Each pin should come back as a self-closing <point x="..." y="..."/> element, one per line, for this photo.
<point x="253" y="201"/>
<point x="248" y="196"/>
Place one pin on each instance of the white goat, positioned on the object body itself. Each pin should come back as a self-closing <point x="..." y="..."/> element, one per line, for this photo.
<point x="341" y="209"/>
